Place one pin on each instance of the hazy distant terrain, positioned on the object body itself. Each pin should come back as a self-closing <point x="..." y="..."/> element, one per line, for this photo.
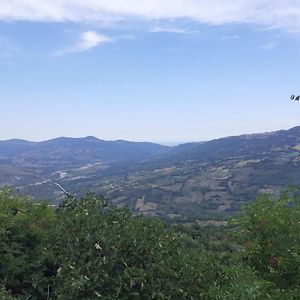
<point x="187" y="181"/>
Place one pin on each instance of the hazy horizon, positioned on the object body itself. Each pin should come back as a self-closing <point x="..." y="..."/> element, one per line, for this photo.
<point x="165" y="143"/>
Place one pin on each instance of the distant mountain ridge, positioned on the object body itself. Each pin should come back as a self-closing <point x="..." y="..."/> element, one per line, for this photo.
<point x="93" y="147"/>
<point x="186" y="181"/>
<point x="23" y="161"/>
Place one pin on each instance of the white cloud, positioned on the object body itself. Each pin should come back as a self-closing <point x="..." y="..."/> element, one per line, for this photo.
<point x="270" y="13"/>
<point x="87" y="40"/>
<point x="91" y="39"/>
<point x="168" y="29"/>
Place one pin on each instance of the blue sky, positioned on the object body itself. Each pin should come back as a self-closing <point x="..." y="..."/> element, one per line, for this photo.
<point x="168" y="72"/>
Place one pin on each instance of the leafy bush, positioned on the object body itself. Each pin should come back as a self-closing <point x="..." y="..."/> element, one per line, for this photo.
<point x="4" y="295"/>
<point x="110" y="254"/>
<point x="24" y="255"/>
<point x="85" y="250"/>
<point x="269" y="230"/>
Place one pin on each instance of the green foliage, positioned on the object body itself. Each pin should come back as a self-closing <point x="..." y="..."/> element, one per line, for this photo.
<point x="110" y="254"/>
<point x="270" y="232"/>
<point x="4" y="295"/>
<point x="24" y="232"/>
<point x="210" y="238"/>
<point x="86" y="250"/>
<point x="236" y="281"/>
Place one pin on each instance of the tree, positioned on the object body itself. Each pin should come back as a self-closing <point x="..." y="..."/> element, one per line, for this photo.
<point x="25" y="268"/>
<point x="108" y="253"/>
<point x="86" y="250"/>
<point x="269" y="230"/>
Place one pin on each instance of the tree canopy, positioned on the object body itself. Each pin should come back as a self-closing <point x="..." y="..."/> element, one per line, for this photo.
<point x="86" y="250"/>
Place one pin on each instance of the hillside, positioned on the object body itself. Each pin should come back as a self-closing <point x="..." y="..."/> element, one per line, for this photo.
<point x="189" y="181"/>
<point x="23" y="162"/>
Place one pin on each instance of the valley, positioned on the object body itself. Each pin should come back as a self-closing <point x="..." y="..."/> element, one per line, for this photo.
<point x="182" y="183"/>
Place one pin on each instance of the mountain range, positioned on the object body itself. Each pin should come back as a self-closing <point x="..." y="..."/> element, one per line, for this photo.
<point x="185" y="182"/>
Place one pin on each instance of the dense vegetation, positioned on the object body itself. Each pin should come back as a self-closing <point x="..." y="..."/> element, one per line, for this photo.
<point x="85" y="250"/>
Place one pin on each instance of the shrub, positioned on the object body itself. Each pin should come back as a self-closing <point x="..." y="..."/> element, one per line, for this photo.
<point x="110" y="254"/>
<point x="269" y="230"/>
<point x="24" y="253"/>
